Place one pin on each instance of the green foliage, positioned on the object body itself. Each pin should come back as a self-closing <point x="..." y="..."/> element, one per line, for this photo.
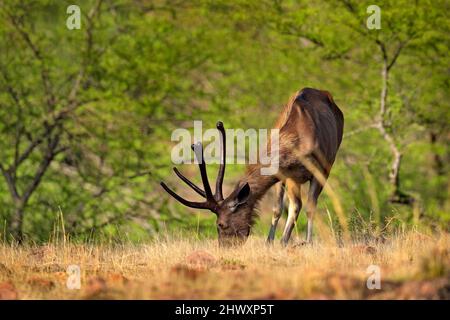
<point x="113" y="92"/>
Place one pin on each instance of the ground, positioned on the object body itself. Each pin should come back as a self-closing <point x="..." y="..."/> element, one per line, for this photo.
<point x="412" y="266"/>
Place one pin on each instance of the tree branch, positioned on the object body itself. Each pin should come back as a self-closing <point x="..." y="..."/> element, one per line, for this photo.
<point x="10" y="181"/>
<point x="89" y="44"/>
<point x="396" y="54"/>
<point x="45" y="77"/>
<point x="43" y="166"/>
<point x="362" y="129"/>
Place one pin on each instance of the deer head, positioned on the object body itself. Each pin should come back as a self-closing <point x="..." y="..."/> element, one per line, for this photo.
<point x="234" y="214"/>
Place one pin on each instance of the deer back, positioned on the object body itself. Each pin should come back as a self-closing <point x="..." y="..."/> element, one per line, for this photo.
<point x="311" y="126"/>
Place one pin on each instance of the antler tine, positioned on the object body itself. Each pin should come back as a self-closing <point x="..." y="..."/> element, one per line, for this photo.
<point x="219" y="194"/>
<point x="198" y="150"/>
<point x="189" y="183"/>
<point x="211" y="200"/>
<point x="191" y="204"/>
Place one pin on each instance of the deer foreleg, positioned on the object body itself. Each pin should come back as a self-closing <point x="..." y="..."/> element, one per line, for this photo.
<point x="277" y="211"/>
<point x="295" y="205"/>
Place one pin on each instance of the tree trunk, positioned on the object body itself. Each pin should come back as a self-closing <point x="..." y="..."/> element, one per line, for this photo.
<point x="16" y="224"/>
<point x="438" y="162"/>
<point x="397" y="196"/>
<point x="439" y="168"/>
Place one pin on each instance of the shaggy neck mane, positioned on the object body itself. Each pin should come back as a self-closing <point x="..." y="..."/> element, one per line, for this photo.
<point x="259" y="184"/>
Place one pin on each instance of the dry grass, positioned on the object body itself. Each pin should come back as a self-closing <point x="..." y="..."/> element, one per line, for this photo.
<point x="413" y="265"/>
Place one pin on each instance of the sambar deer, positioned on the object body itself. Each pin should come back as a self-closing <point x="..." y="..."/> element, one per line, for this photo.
<point x="310" y="131"/>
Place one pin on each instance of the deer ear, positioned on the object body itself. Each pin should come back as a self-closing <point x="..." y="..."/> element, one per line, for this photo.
<point x="240" y="196"/>
<point x="243" y="194"/>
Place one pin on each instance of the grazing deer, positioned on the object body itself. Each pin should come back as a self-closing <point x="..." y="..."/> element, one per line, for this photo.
<point x="311" y="128"/>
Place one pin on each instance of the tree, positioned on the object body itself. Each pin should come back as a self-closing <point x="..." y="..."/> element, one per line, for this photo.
<point x="41" y="141"/>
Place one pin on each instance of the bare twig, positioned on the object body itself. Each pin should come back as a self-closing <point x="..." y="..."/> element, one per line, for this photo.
<point x="362" y="129"/>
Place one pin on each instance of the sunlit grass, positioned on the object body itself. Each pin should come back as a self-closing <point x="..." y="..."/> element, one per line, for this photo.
<point x="413" y="265"/>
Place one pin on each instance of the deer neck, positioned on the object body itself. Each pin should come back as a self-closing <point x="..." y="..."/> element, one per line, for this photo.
<point x="259" y="184"/>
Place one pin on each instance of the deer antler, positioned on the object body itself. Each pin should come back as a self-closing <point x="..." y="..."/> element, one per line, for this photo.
<point x="211" y="202"/>
<point x="219" y="195"/>
<point x="189" y="183"/>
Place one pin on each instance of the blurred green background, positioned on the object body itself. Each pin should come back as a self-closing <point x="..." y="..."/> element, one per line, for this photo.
<point x="86" y="115"/>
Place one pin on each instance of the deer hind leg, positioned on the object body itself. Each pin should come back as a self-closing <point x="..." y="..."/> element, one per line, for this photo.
<point x="295" y="205"/>
<point x="277" y="211"/>
<point x="315" y="188"/>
